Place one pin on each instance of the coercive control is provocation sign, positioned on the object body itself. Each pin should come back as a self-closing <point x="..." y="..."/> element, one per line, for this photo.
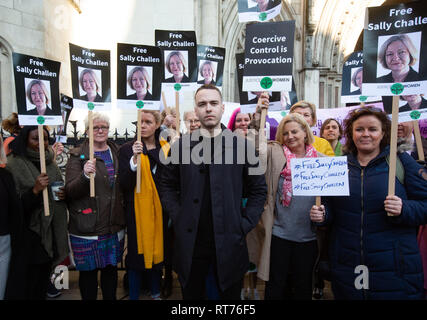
<point x="269" y="56"/>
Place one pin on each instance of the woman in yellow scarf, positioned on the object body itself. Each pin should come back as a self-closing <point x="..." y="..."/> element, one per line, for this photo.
<point x="144" y="214"/>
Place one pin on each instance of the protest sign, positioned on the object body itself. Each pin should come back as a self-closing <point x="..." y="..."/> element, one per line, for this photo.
<point x="258" y="10"/>
<point x="66" y="108"/>
<point x="394" y="47"/>
<point x="139" y="76"/>
<point x="90" y="77"/>
<point x="324" y="176"/>
<point x="179" y="49"/>
<point x="37" y="90"/>
<point x="411" y="107"/>
<point x="352" y="78"/>
<point x="248" y="100"/>
<point x="210" y="62"/>
<point x="269" y="56"/>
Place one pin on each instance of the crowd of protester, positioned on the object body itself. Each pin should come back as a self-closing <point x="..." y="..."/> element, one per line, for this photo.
<point x="212" y="222"/>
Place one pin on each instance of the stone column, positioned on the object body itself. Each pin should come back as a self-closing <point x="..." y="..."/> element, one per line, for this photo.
<point x="208" y="22"/>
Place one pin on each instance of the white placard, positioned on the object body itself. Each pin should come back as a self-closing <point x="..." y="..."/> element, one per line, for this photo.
<point x="324" y="176"/>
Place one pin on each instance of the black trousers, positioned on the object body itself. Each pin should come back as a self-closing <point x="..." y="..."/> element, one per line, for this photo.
<point x="203" y="259"/>
<point x="293" y="261"/>
<point x="88" y="283"/>
<point x="37" y="277"/>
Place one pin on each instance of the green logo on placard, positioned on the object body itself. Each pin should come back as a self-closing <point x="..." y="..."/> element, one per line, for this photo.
<point x="283" y="113"/>
<point x="266" y="82"/>
<point x="415" y="114"/>
<point x="363" y="98"/>
<point x="140" y="104"/>
<point x="40" y="120"/>
<point x="177" y="86"/>
<point x="397" y="88"/>
<point x="90" y="106"/>
<point x="262" y="16"/>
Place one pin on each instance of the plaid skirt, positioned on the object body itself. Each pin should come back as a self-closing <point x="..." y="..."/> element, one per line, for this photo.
<point x="97" y="254"/>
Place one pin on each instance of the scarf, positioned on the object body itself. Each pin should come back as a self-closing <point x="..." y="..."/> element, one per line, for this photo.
<point x="149" y="214"/>
<point x="310" y="152"/>
<point x="52" y="229"/>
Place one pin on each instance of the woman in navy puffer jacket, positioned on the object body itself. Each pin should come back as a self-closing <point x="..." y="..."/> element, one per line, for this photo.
<point x="370" y="228"/>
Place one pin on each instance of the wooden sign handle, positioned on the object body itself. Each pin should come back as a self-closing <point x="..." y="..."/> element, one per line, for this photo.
<point x="262" y="122"/>
<point x="418" y="141"/>
<point x="318" y="201"/>
<point x="177" y="120"/>
<point x="43" y="169"/>
<point x="91" y="153"/>
<point x="164" y="100"/>
<point x="138" y="168"/>
<point x="393" y="147"/>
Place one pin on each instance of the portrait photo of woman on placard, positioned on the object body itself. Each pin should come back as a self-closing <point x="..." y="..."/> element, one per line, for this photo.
<point x="398" y="58"/>
<point x="139" y="81"/>
<point x="413" y="102"/>
<point x="38" y="97"/>
<point x="207" y="72"/>
<point x="176" y="64"/>
<point x="356" y="81"/>
<point x="258" y="5"/>
<point x="90" y="85"/>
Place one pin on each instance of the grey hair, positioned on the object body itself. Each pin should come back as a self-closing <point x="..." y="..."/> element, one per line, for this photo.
<point x="97" y="116"/>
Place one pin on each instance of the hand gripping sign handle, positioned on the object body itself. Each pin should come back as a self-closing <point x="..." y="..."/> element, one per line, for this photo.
<point x="393" y="148"/>
<point x="43" y="168"/>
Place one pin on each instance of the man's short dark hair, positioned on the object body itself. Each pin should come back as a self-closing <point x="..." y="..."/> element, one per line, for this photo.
<point x="209" y="86"/>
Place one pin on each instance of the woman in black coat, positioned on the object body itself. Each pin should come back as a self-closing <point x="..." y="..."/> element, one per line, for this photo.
<point x="149" y="263"/>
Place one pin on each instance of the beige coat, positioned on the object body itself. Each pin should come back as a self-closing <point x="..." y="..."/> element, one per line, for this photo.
<point x="276" y="160"/>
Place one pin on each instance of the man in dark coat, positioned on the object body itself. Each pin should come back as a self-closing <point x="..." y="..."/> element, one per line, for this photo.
<point x="202" y="189"/>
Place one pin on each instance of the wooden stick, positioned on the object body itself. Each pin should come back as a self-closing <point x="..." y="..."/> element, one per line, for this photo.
<point x="43" y="168"/>
<point x="393" y="148"/>
<point x="164" y="100"/>
<point x="177" y="120"/>
<point x="418" y="141"/>
<point x="262" y="121"/>
<point x="318" y="201"/>
<point x="91" y="154"/>
<point x="138" y="168"/>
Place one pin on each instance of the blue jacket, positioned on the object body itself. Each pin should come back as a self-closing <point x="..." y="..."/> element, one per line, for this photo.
<point x="363" y="234"/>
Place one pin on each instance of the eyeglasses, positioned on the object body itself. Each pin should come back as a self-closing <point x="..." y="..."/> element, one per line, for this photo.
<point x="400" y="54"/>
<point x="103" y="128"/>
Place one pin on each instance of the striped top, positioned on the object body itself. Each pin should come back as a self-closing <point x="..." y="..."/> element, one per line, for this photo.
<point x="108" y="160"/>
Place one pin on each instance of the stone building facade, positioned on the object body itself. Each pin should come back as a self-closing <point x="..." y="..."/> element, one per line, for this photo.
<point x="326" y="32"/>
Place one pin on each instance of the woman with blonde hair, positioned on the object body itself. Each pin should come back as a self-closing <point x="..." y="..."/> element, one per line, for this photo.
<point x="289" y="249"/>
<point x="176" y="65"/>
<point x="139" y="80"/>
<point x="146" y="220"/>
<point x="398" y="54"/>
<point x="38" y="95"/>
<point x="90" y="83"/>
